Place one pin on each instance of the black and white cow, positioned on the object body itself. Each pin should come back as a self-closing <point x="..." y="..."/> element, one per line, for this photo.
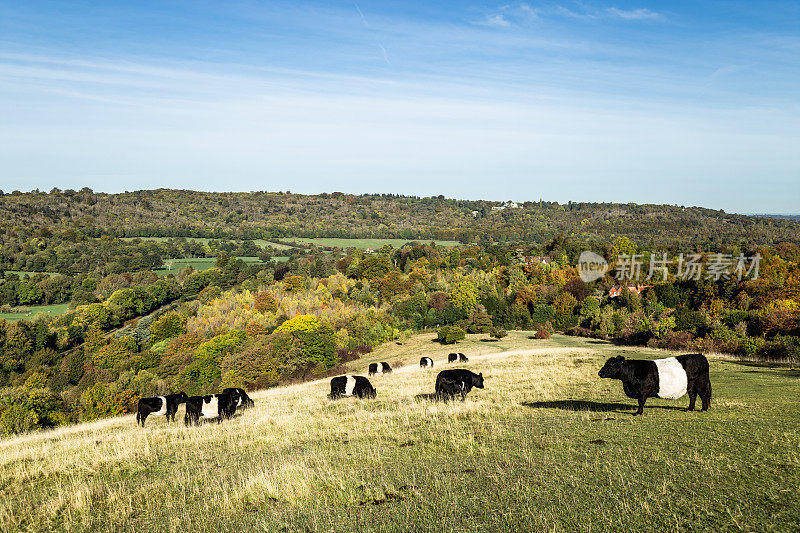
<point x="217" y="406"/>
<point x="456" y="382"/>
<point x="669" y="378"/>
<point x="159" y="406"/>
<point x="243" y="401"/>
<point x="457" y="358"/>
<point x="379" y="368"/>
<point x="426" y="362"/>
<point x="345" y="386"/>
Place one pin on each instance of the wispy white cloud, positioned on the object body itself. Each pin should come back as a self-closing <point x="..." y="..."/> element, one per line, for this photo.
<point x="497" y="20"/>
<point x="540" y="99"/>
<point x="634" y="14"/>
<point x="511" y="15"/>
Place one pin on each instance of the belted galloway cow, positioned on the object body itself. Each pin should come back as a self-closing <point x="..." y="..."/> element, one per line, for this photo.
<point x="669" y="378"/>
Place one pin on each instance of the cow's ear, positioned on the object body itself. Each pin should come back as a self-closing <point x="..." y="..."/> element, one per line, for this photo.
<point x="620" y="358"/>
<point x="480" y="375"/>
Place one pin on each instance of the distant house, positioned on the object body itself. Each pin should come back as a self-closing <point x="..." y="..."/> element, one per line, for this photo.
<point x="509" y="204"/>
<point x="369" y="251"/>
<point x="536" y="260"/>
<point x="616" y="290"/>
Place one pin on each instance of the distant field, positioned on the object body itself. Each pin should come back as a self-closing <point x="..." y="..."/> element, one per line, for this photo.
<point x="546" y="446"/>
<point x="51" y="310"/>
<point x="204" y="240"/>
<point x="203" y="263"/>
<point x="22" y="273"/>
<point x="375" y="244"/>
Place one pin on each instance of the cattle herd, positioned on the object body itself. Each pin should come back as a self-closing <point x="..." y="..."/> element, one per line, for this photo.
<point x="669" y="378"/>
<point x="449" y="383"/>
<point x="220" y="406"/>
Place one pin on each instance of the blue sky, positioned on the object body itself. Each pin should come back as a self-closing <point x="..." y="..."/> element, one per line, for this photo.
<point x="691" y="103"/>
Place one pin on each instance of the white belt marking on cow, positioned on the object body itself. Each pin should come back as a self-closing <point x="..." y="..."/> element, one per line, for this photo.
<point x="211" y="409"/>
<point x="163" y="410"/>
<point x="380" y="368"/>
<point x="350" y="386"/>
<point x="672" y="380"/>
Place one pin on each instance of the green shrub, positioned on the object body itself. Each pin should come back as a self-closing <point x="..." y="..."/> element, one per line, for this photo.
<point x="168" y="326"/>
<point x="450" y="334"/>
<point x="781" y="348"/>
<point x="27" y="410"/>
<point x="749" y="346"/>
<point x="497" y="333"/>
<point x="206" y="366"/>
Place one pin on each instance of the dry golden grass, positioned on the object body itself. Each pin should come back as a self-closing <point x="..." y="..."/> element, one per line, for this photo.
<point x="515" y="455"/>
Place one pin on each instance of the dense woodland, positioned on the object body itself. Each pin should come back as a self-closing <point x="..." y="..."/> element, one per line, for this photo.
<point x="133" y="329"/>
<point x="266" y="215"/>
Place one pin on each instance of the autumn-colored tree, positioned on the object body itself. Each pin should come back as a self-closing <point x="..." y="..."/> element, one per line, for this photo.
<point x="464" y="295"/>
<point x="265" y="302"/>
<point x="564" y="306"/>
<point x="294" y="283"/>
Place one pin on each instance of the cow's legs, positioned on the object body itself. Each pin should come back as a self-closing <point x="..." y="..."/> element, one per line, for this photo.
<point x="639" y="411"/>
<point x="705" y="393"/>
<point x="692" y="389"/>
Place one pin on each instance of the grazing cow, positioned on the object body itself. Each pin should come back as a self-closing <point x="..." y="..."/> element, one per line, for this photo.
<point x="159" y="406"/>
<point x="379" y="368"/>
<point x="669" y="378"/>
<point x="457" y="358"/>
<point x="458" y="381"/>
<point x="243" y="401"/>
<point x="217" y="406"/>
<point x="357" y="386"/>
<point x="426" y="362"/>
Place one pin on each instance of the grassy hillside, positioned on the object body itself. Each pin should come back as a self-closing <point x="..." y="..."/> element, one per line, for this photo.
<point x="375" y="244"/>
<point x="546" y="446"/>
<point x="201" y="263"/>
<point x="35" y="310"/>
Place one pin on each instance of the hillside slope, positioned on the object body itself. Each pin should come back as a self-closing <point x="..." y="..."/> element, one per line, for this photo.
<point x="545" y="446"/>
<point x="267" y="215"/>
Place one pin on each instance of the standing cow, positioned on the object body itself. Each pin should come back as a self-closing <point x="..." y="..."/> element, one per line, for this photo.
<point x="243" y="401"/>
<point x="217" y="406"/>
<point x="426" y="362"/>
<point x="159" y="406"/>
<point x="379" y="368"/>
<point x="456" y="382"/>
<point x="457" y="358"/>
<point x="346" y="386"/>
<point x="668" y="378"/>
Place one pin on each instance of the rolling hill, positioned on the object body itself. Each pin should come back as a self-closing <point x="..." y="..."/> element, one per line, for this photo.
<point x="546" y="445"/>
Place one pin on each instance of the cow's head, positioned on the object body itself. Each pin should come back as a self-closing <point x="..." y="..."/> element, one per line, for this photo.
<point x="477" y="381"/>
<point x="613" y="368"/>
<point x="181" y="397"/>
<point x="372" y="393"/>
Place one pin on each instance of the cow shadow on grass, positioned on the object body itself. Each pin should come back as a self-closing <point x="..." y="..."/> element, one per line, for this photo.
<point x="597" y="407"/>
<point x="432" y="397"/>
<point x="769" y="367"/>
